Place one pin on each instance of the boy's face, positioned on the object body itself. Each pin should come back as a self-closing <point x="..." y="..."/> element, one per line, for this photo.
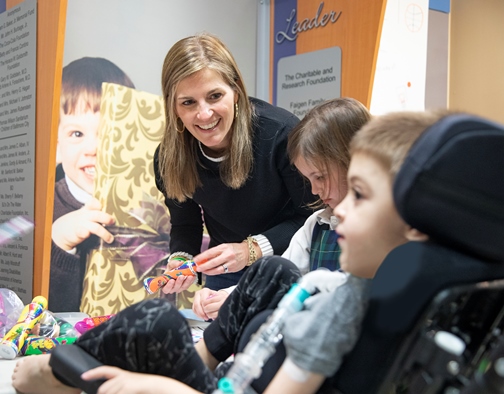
<point x="370" y="226"/>
<point x="77" y="142"/>
<point x="324" y="183"/>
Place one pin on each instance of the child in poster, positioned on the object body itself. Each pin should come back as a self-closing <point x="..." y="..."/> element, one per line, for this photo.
<point x="77" y="217"/>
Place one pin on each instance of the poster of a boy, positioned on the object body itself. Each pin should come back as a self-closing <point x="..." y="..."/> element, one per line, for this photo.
<point x="77" y="217"/>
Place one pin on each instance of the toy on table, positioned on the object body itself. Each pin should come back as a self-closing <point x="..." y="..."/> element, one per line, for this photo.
<point x="66" y="329"/>
<point x="52" y="326"/>
<point x="43" y="345"/>
<point x="187" y="268"/>
<point x="11" y="307"/>
<point x="52" y="331"/>
<point x="47" y="327"/>
<point x="90" y="322"/>
<point x="13" y="341"/>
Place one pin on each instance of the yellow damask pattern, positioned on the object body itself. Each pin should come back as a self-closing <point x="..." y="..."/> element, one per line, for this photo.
<point x="131" y="126"/>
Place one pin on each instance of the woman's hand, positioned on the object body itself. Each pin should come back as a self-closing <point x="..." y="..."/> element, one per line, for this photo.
<point x="181" y="283"/>
<point x="71" y="229"/>
<point x="120" y="381"/>
<point x="178" y="285"/>
<point x="222" y="259"/>
<point x="207" y="303"/>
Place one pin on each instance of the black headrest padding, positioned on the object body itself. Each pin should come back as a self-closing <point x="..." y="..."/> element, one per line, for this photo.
<point x="451" y="185"/>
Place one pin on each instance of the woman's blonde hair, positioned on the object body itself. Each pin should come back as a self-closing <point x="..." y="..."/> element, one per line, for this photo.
<point x="178" y="157"/>
<point x="323" y="136"/>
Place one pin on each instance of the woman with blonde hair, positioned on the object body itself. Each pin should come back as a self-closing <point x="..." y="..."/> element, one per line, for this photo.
<point x="222" y="163"/>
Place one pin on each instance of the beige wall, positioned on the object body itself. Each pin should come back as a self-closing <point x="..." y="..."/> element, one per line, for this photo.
<point x="476" y="82"/>
<point x="436" y="78"/>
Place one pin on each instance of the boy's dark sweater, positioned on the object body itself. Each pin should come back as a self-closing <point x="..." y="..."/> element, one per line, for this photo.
<point x="67" y="270"/>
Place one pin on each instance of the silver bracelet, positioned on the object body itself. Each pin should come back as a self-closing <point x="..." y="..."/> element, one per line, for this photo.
<point x="187" y="256"/>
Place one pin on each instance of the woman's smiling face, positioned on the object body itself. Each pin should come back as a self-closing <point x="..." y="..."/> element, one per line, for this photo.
<point x="206" y="105"/>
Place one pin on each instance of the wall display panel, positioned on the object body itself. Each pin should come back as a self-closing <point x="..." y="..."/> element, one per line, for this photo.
<point x="18" y="49"/>
<point x="321" y="50"/>
<point x="379" y="53"/>
<point x="399" y="82"/>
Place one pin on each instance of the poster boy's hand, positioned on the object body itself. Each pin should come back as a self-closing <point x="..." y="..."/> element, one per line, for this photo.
<point x="71" y="229"/>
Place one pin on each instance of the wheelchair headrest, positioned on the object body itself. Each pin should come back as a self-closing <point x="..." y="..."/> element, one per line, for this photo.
<point x="451" y="185"/>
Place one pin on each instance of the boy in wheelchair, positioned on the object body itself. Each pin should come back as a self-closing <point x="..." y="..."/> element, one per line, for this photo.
<point x="434" y="319"/>
<point x="451" y="187"/>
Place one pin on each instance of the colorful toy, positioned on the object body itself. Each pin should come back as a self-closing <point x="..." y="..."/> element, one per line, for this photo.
<point x="66" y="329"/>
<point x="47" y="327"/>
<point x="188" y="268"/>
<point x="90" y="322"/>
<point x="13" y="341"/>
<point x="43" y="345"/>
<point x="11" y="307"/>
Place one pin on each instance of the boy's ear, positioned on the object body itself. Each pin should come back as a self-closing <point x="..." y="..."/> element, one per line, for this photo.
<point x="412" y="234"/>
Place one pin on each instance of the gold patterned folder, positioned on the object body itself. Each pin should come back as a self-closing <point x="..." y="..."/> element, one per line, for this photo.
<point x="131" y="126"/>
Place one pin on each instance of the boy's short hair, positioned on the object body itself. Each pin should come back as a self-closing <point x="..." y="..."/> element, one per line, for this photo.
<point x="384" y="137"/>
<point x="83" y="78"/>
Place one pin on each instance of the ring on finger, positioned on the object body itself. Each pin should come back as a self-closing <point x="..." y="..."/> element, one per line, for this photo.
<point x="225" y="267"/>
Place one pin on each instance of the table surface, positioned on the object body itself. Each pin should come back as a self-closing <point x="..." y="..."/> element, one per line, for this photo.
<point x="6" y="368"/>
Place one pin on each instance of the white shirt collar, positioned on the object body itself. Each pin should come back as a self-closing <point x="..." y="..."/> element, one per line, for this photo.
<point x="214" y="159"/>
<point x="80" y="195"/>
<point x="325" y="216"/>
